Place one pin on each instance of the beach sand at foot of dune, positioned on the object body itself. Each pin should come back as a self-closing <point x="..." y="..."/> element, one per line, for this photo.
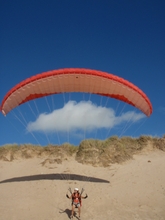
<point x="132" y="190"/>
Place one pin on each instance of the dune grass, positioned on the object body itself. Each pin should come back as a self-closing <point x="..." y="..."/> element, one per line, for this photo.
<point x="94" y="152"/>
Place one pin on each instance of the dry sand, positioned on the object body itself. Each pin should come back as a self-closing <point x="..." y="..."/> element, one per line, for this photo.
<point x="132" y="190"/>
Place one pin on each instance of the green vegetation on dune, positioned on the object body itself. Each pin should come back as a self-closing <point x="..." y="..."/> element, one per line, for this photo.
<point x="94" y="152"/>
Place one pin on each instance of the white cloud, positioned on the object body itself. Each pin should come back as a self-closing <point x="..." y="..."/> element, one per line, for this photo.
<point x="82" y="115"/>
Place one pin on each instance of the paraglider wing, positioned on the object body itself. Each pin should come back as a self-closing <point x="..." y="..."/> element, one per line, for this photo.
<point x="76" y="80"/>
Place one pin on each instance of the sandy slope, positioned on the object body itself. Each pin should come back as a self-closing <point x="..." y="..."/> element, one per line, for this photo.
<point x="136" y="189"/>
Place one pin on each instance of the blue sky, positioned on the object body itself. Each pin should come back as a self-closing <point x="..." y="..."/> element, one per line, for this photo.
<point x="125" y="38"/>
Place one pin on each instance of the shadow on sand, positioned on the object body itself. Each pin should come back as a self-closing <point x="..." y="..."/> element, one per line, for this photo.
<point x="55" y="176"/>
<point x="69" y="212"/>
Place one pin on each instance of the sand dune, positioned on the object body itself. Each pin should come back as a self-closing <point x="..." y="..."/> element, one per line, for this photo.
<point x="31" y="189"/>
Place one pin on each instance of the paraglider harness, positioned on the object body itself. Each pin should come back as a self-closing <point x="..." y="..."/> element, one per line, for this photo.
<point x="76" y="196"/>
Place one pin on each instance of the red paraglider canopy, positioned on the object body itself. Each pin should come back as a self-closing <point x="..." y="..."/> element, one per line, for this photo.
<point x="76" y="80"/>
